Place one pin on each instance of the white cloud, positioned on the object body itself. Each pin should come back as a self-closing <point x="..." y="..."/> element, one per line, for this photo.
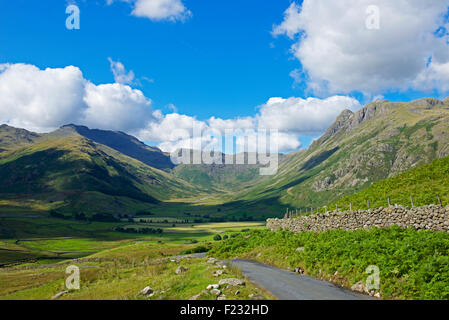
<point x="340" y="54"/>
<point x="303" y="116"/>
<point x="116" y="107"/>
<point x="293" y="118"/>
<point x="157" y="10"/>
<point x="120" y="74"/>
<point x="40" y="100"/>
<point x="43" y="100"/>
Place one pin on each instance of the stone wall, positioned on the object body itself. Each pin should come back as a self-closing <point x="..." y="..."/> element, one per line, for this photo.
<point x="431" y="217"/>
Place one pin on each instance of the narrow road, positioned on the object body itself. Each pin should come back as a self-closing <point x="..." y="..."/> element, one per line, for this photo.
<point x="286" y="285"/>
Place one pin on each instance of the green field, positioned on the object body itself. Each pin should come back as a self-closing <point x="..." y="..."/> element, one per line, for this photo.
<point x="412" y="264"/>
<point x="24" y="239"/>
<point x="121" y="273"/>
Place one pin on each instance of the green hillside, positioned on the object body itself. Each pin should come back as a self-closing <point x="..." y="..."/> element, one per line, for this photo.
<point x="424" y="184"/>
<point x="76" y="175"/>
<point x="380" y="141"/>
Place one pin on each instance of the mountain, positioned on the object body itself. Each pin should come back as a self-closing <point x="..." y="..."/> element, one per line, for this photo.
<point x="222" y="177"/>
<point x="74" y="174"/>
<point x="427" y="184"/>
<point x="379" y="141"/>
<point x="122" y="142"/>
<point x="11" y="137"/>
<point x="76" y="169"/>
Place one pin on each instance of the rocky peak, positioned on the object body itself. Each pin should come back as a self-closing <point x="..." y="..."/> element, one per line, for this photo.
<point x="428" y="102"/>
<point x="340" y="124"/>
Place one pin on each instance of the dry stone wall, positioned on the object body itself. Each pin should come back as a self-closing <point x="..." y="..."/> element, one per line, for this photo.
<point x="431" y="217"/>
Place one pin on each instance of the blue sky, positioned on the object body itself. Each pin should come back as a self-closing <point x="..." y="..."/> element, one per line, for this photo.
<point x="226" y="60"/>
<point x="218" y="63"/>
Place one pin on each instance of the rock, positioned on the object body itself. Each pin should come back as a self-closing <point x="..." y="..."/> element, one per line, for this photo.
<point x="59" y="295"/>
<point x="359" y="287"/>
<point x="298" y="270"/>
<point x="232" y="281"/>
<point x="222" y="297"/>
<point x="300" y="249"/>
<point x="196" y="297"/>
<point x="377" y="295"/>
<point x="219" y="273"/>
<point x="255" y="297"/>
<point x="213" y="286"/>
<point x="212" y="260"/>
<point x="237" y="293"/>
<point x="146" y="291"/>
<point x="215" y="292"/>
<point x="180" y="270"/>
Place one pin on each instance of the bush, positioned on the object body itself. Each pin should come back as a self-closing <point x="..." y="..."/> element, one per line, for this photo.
<point x="217" y="237"/>
<point x="413" y="264"/>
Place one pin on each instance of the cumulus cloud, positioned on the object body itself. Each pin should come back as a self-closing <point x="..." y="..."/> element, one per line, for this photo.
<point x="116" y="107"/>
<point x="340" y="54"/>
<point x="293" y="118"/>
<point x="158" y="10"/>
<point x="309" y="116"/>
<point x="40" y="100"/>
<point x="43" y="100"/>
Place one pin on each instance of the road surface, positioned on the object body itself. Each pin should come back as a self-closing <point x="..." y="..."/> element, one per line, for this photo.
<point x="286" y="285"/>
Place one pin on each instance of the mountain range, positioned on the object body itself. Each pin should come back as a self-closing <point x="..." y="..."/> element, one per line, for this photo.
<point x="76" y="169"/>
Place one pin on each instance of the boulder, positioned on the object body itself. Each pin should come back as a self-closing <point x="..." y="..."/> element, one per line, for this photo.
<point x="180" y="270"/>
<point x="213" y="286"/>
<point x="215" y="292"/>
<point x="219" y="273"/>
<point x="146" y="291"/>
<point x="360" y="287"/>
<point x="232" y="281"/>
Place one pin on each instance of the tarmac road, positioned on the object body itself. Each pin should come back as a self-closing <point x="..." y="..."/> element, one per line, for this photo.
<point x="286" y="285"/>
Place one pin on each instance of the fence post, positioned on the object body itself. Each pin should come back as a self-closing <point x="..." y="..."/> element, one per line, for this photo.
<point x="369" y="205"/>
<point x="439" y="200"/>
<point x="389" y="202"/>
<point x="411" y="200"/>
<point x="350" y="206"/>
<point x="336" y="207"/>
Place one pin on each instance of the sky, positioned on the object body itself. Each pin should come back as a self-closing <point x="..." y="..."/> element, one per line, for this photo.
<point x="158" y="68"/>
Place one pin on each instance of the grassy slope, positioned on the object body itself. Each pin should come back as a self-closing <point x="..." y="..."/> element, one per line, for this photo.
<point x="87" y="177"/>
<point x="395" y="138"/>
<point x="413" y="264"/>
<point x="423" y="184"/>
<point x="122" y="273"/>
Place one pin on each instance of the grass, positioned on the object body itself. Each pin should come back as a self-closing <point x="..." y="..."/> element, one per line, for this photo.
<point x="122" y="274"/>
<point x="423" y="183"/>
<point x="25" y="240"/>
<point x="413" y="264"/>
